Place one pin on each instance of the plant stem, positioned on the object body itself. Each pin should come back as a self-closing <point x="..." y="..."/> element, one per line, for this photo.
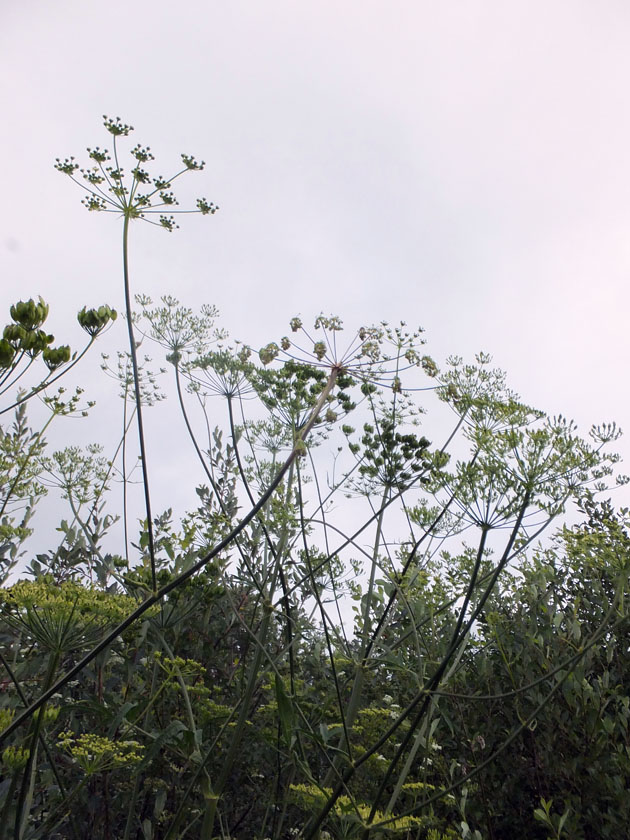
<point x="28" y="779"/>
<point x="138" y="395"/>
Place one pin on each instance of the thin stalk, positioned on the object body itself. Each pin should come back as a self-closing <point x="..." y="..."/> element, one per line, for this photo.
<point x="473" y="581"/>
<point x="4" y="383"/>
<point x="184" y="689"/>
<point x="28" y="779"/>
<point x="359" y="677"/>
<point x="32" y="449"/>
<point x="138" y="396"/>
<point x="421" y="736"/>
<point x="124" y="478"/>
<point x="42" y="741"/>
<point x="367" y="617"/>
<point x="207" y="471"/>
<point x="46" y="383"/>
<point x="283" y="581"/>
<point x="212" y="799"/>
<point x="412" y="555"/>
<point x="423" y="695"/>
<point x="324" y="620"/>
<point x="327" y="544"/>
<point x="458" y="637"/>
<point x="95" y="549"/>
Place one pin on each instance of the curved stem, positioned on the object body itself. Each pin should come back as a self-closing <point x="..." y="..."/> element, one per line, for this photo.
<point x="124" y="479"/>
<point x="283" y="581"/>
<point x="46" y="383"/>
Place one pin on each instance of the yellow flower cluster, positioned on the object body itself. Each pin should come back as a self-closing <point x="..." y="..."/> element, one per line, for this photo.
<point x="178" y="666"/>
<point x="310" y="797"/>
<point x="62" y="617"/>
<point x="95" y="754"/>
<point x="68" y="597"/>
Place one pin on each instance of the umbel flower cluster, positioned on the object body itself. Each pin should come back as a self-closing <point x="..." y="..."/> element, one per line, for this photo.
<point x="136" y="194"/>
<point x="61" y="617"/>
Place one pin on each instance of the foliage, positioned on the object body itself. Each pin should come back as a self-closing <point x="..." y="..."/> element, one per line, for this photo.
<point x="356" y="633"/>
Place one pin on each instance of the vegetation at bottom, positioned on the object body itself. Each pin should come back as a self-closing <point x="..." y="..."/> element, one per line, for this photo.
<point x="375" y="622"/>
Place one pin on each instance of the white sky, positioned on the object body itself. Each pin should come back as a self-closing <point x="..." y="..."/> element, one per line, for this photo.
<point x="462" y="165"/>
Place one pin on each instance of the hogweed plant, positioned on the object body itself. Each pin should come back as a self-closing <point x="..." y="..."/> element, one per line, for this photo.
<point x="310" y="651"/>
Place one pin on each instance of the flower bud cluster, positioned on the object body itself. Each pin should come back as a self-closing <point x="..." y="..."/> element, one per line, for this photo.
<point x="94" y="321"/>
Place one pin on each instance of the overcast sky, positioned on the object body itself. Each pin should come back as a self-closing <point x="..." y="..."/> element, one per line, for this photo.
<point x="463" y="165"/>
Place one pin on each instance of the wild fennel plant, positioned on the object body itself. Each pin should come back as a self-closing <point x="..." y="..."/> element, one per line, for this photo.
<point x="224" y="669"/>
<point x="138" y="197"/>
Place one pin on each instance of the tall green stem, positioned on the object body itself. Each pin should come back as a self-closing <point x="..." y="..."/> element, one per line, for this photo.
<point x="359" y="678"/>
<point x="138" y="395"/>
<point x="214" y="796"/>
<point x="28" y="779"/>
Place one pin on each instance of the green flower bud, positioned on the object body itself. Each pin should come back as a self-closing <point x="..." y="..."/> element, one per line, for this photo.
<point x="54" y="357"/>
<point x="268" y="354"/>
<point x="116" y="127"/>
<point x="15" y="334"/>
<point x="94" y="203"/>
<point x="15" y="758"/>
<point x="94" y="321"/>
<point x="34" y="343"/>
<point x="29" y="314"/>
<point x="142" y="153"/>
<point x="141" y="175"/>
<point x="429" y="366"/>
<point x="206" y="207"/>
<point x="51" y="713"/>
<point x="6" y="717"/>
<point x="319" y="349"/>
<point x="67" y="166"/>
<point x="99" y="155"/>
<point x="191" y="163"/>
